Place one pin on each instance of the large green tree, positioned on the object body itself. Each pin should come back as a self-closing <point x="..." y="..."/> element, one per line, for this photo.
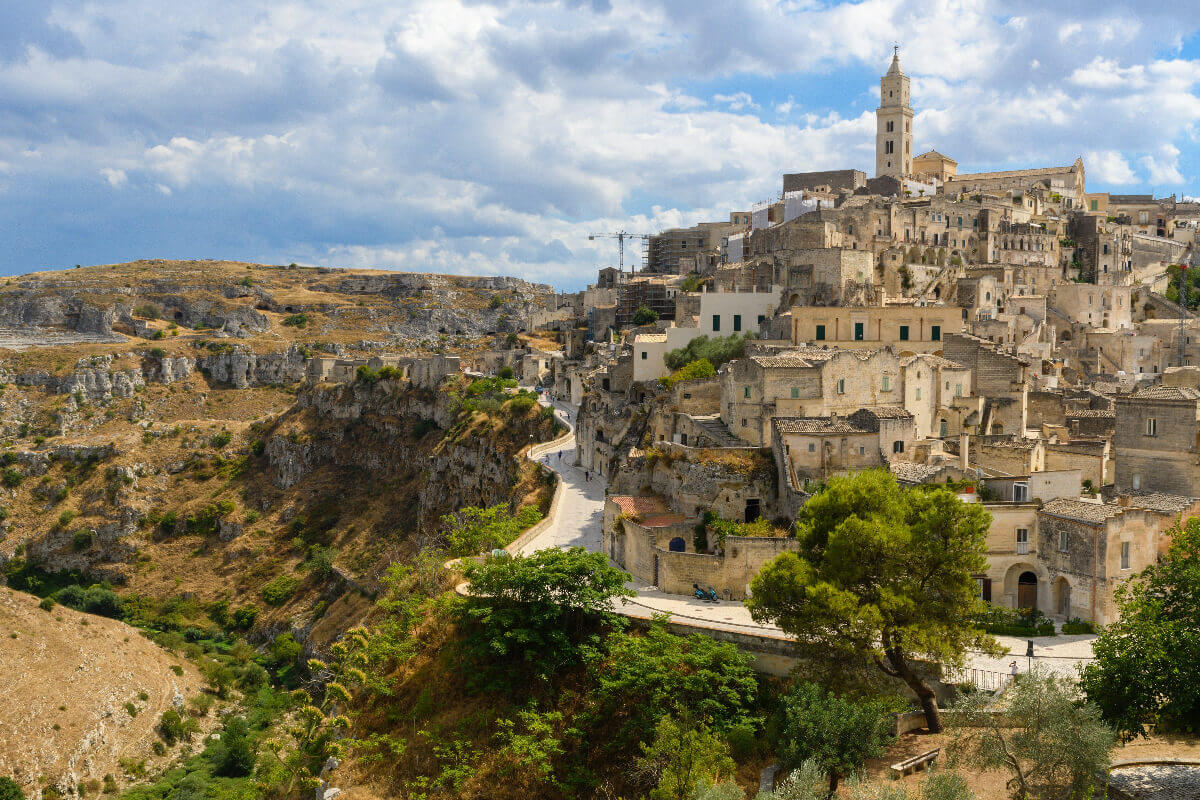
<point x="529" y="616"/>
<point x="839" y="734"/>
<point x="1145" y="666"/>
<point x="884" y="576"/>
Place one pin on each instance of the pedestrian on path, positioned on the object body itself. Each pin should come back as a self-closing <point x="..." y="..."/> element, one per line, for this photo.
<point x="1013" y="668"/>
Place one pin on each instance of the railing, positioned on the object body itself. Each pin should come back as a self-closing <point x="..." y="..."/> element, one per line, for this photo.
<point x="983" y="679"/>
<point x="1022" y="548"/>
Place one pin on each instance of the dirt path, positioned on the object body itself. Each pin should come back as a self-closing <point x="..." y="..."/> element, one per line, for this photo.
<point x="64" y="691"/>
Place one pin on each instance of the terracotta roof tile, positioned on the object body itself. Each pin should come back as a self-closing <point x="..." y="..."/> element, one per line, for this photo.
<point x="1081" y="510"/>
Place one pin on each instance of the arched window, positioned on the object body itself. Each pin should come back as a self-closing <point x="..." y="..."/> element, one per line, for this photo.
<point x="677" y="545"/>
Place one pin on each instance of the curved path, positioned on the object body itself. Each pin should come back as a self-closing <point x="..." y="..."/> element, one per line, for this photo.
<point x="579" y="523"/>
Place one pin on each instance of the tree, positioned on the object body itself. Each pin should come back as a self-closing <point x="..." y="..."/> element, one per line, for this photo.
<point x="883" y="577"/>
<point x="10" y="789"/>
<point x="692" y="371"/>
<point x="837" y="733"/>
<point x="716" y="350"/>
<point x="1145" y="661"/>
<point x="236" y="755"/>
<point x="682" y="756"/>
<point x="1053" y="746"/>
<point x="530" y="616"/>
<point x="473" y="530"/>
<point x="643" y="678"/>
<point x="644" y="316"/>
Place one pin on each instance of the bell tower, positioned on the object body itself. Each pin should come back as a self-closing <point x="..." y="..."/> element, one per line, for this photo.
<point x="893" y="118"/>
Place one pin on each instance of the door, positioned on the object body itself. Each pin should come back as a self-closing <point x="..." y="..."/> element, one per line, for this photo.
<point x="656" y="569"/>
<point x="858" y="331"/>
<point x="753" y="509"/>
<point x="1027" y="590"/>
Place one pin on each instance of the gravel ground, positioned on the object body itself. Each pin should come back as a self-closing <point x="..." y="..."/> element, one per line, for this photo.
<point x="1162" y="782"/>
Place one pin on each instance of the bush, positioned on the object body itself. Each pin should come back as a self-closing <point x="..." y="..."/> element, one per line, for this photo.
<point x="520" y="405"/>
<point x="365" y="374"/>
<point x="644" y="315"/>
<point x="235" y="757"/>
<point x="173" y="727"/>
<point x="10" y="789"/>
<point x="47" y="604"/>
<point x="506" y="374"/>
<point x="473" y="530"/>
<point x="1077" y="625"/>
<point x="296" y="320"/>
<point x="280" y="590"/>
<point x="82" y="540"/>
<point x="221" y="439"/>
<point x="147" y="311"/>
<point x="692" y="371"/>
<point x="716" y="351"/>
<point x="11" y="477"/>
<point x="243" y="618"/>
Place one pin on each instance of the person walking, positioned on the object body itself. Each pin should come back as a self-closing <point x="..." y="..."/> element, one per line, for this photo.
<point x="1012" y="667"/>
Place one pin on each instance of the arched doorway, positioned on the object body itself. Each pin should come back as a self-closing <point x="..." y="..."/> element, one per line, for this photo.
<point x="1027" y="590"/>
<point x="1062" y="597"/>
<point x="677" y="545"/>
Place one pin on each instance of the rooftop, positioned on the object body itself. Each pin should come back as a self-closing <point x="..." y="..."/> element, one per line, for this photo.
<point x="911" y="472"/>
<point x="1081" y="510"/>
<point x="1159" y="501"/>
<point x="1094" y="413"/>
<point x="650" y="511"/>
<point x="1167" y="393"/>
<point x="816" y="425"/>
<point x="650" y="337"/>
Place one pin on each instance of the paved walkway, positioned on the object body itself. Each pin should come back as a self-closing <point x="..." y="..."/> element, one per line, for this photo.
<point x="579" y="523"/>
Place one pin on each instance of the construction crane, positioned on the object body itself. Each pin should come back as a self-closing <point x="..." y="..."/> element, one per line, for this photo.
<point x="620" y="236"/>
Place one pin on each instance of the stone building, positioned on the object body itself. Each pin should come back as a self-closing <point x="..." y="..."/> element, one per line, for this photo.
<point x="1157" y="441"/>
<point x="893" y="124"/>
<point x="817" y="448"/>
<point x="915" y="329"/>
<point x="1067" y="182"/>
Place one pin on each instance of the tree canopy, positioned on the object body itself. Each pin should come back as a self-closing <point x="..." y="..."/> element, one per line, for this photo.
<point x="529" y="616"/>
<point x="644" y="315"/>
<point x="473" y="530"/>
<point x="838" y="733"/>
<point x="1145" y="662"/>
<point x="884" y="576"/>
<point x="1053" y="746"/>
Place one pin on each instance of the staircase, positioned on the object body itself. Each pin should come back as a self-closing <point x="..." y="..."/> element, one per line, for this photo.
<point x="716" y="430"/>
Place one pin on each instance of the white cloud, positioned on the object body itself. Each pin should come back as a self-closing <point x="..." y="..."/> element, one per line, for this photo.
<point x="1109" y="166"/>
<point x="736" y="102"/>
<point x="115" y="177"/>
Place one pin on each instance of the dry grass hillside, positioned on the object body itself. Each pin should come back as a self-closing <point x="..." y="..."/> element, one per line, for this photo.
<point x="81" y="693"/>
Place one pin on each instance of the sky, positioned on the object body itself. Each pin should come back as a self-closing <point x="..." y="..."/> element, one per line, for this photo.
<point x="490" y="138"/>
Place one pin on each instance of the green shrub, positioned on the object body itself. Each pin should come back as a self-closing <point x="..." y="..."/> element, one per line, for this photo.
<point x="246" y="281"/>
<point x="644" y="315"/>
<point x="158" y="352"/>
<point x="365" y="374"/>
<point x="147" y="311"/>
<point x="221" y="439"/>
<point x="174" y="727"/>
<point x="46" y="604"/>
<point x="82" y="540"/>
<point x="520" y="405"/>
<point x="693" y="370"/>
<point x="10" y="789"/>
<point x="159" y="334"/>
<point x="1077" y="625"/>
<point x="65" y="517"/>
<point x="296" y="320"/>
<point x="716" y="351"/>
<point x="244" y="617"/>
<point x="280" y="590"/>
<point x="390" y="373"/>
<point x="506" y="373"/>
<point x="11" y="477"/>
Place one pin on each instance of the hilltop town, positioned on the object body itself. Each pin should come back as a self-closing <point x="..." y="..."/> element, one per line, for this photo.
<point x="408" y="535"/>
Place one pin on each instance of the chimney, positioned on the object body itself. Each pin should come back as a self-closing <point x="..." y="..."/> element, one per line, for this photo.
<point x="964" y="451"/>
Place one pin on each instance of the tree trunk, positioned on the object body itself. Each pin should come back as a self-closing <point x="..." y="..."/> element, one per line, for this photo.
<point x="833" y="783"/>
<point x="933" y="717"/>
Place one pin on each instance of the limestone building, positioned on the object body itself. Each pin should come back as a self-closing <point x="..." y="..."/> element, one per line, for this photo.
<point x="894" y="118"/>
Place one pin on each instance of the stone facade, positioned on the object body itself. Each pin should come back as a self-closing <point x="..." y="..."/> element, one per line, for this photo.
<point x="1157" y="441"/>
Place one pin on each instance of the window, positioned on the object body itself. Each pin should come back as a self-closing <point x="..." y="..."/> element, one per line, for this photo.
<point x="904" y="333"/>
<point x="859" y="330"/>
<point x="862" y="451"/>
<point x="643" y="355"/>
<point x="958" y="390"/>
<point x="1124" y="555"/>
<point x="745" y="391"/>
<point x="1020" y="492"/>
<point x="1022" y="541"/>
<point x="935" y="333"/>
<point x="737" y="322"/>
<point x="811" y="447"/>
<point x="743" y="423"/>
<point x="891" y="126"/>
<point x="761" y="317"/>
<point x="716" y="322"/>
<point x="918" y="392"/>
<point x="887" y="383"/>
<point x="1062" y="541"/>
<point x="898" y="446"/>
<point x="943" y="428"/>
<point x="1095" y="205"/>
<point x="820" y="333"/>
<point x="795" y="392"/>
<point x="841" y="386"/>
<point x="1151" y="426"/>
<point x="889" y="147"/>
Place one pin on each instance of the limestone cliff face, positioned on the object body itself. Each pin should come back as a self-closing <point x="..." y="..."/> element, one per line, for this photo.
<point x="386" y="431"/>
<point x="241" y="368"/>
